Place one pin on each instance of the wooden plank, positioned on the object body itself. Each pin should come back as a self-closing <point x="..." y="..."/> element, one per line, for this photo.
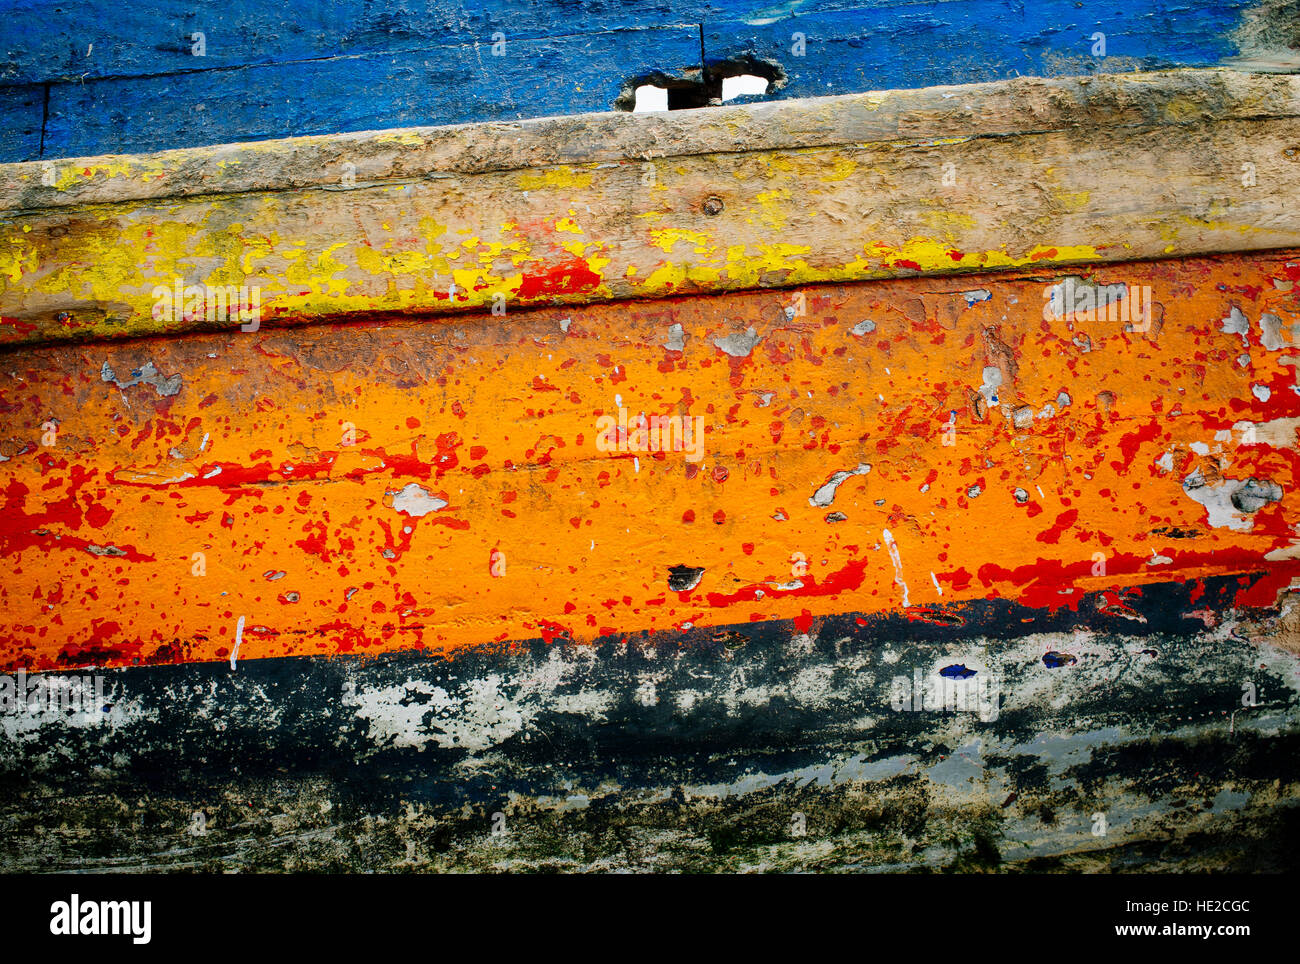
<point x="433" y="85"/>
<point x="978" y="110"/>
<point x="969" y="41"/>
<point x="754" y="213"/>
<point x="794" y="751"/>
<point x="891" y="446"/>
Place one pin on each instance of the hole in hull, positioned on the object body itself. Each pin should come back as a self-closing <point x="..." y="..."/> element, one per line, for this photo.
<point x="720" y="82"/>
<point x="743" y="84"/>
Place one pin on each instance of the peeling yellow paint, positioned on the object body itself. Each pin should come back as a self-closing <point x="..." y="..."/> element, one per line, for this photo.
<point x="665" y="238"/>
<point x="409" y="138"/>
<point x="562" y="177"/>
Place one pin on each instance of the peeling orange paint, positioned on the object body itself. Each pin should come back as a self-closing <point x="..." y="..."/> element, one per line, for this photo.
<point x="341" y="487"/>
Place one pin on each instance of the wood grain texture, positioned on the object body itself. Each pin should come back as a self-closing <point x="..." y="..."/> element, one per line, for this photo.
<point x="1093" y="107"/>
<point x="1127" y="186"/>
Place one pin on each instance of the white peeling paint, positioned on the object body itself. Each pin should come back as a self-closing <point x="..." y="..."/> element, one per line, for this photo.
<point x="416" y="500"/>
<point x="825" y="494"/>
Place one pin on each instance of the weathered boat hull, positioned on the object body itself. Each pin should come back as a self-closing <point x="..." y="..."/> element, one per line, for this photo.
<point x="967" y="549"/>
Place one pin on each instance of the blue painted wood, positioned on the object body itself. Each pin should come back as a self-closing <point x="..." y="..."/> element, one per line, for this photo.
<point x="83" y="39"/>
<point x="968" y="41"/>
<point x="442" y="85"/>
<point x="44" y="40"/>
<point x="123" y="78"/>
<point x="21" y="112"/>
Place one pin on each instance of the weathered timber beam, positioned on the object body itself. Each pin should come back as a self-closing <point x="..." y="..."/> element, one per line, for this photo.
<point x="604" y="207"/>
<point x="1007" y="107"/>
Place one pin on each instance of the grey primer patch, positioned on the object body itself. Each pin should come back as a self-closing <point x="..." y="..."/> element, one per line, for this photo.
<point x="976" y="296"/>
<point x="147" y="375"/>
<point x="973" y="492"/>
<point x="676" y="338"/>
<point x="825" y="495"/>
<point x="1022" y="417"/>
<point x="1252" y="495"/>
<point x="1021" y="496"/>
<point x="1075" y="294"/>
<point x="835" y="517"/>
<point x="1271" y="326"/>
<point x="684" y="578"/>
<point x="105" y="550"/>
<point x="740" y="344"/>
<point x="1236" y="324"/>
<point x="1223" y="502"/>
<point x="1062" y="399"/>
<point x="416" y="500"/>
<point x="863" y="328"/>
<point x="273" y="574"/>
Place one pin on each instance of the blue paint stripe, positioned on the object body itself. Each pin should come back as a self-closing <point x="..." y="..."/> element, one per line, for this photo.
<point x="89" y="39"/>
<point x="969" y="41"/>
<point x="443" y="85"/>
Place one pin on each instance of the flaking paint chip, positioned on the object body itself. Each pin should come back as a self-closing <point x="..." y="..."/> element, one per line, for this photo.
<point x="740" y="344"/>
<point x="415" y="500"/>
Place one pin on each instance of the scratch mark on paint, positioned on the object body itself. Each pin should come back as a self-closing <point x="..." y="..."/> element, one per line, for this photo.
<point x="239" y="638"/>
<point x="898" y="565"/>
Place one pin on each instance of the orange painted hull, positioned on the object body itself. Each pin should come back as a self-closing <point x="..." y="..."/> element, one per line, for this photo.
<point x="434" y="484"/>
